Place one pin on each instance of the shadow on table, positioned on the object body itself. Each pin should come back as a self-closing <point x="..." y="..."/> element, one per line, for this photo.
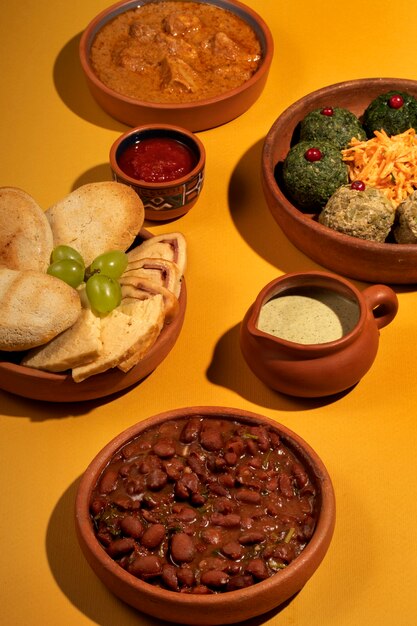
<point x="253" y="219"/>
<point x="81" y="586"/>
<point x="72" y="88"/>
<point x="229" y="369"/>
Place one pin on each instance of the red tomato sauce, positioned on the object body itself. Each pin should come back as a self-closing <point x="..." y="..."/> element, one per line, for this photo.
<point x="157" y="160"/>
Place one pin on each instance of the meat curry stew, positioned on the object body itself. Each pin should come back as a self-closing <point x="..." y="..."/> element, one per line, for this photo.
<point x="203" y="506"/>
<point x="175" y="52"/>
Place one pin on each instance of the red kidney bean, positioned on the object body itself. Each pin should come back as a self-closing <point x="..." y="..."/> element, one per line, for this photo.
<point x="131" y="526"/>
<point x="121" y="546"/>
<point x="135" y="448"/>
<point x="285" y="485"/>
<point x="185" y="575"/>
<point x="211" y="439"/>
<point x="240" y="581"/>
<point x="125" y="503"/>
<point x="156" y="480"/>
<point x="300" y="475"/>
<point x="227" y="480"/>
<point x="153" y="536"/>
<point x="247" y="495"/>
<point x="183" y="513"/>
<point x="135" y="485"/>
<point x="251" y="447"/>
<point x="213" y="562"/>
<point x="108" y="481"/>
<point x="201" y="590"/>
<point x="235" y="445"/>
<point x="251" y="537"/>
<point x="150" y="463"/>
<point x="214" y="578"/>
<point x="224" y="505"/>
<point x="174" y="469"/>
<point x="228" y="521"/>
<point x="230" y="458"/>
<point x="182" y="548"/>
<point x="191" y="430"/>
<point x="257" y="568"/>
<point x="148" y="566"/>
<point x="164" y="449"/>
<point x="233" y="550"/>
<point x="212" y="536"/>
<point x="170" y="576"/>
<point x="97" y="505"/>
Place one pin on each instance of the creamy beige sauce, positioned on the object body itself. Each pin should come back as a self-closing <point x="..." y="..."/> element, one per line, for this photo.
<point x="309" y="316"/>
<point x="175" y="52"/>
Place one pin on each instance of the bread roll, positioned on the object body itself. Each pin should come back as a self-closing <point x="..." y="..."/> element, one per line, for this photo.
<point x="97" y="218"/>
<point x="25" y="234"/>
<point x="34" y="308"/>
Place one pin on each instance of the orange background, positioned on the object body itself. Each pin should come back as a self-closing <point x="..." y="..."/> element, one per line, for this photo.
<point x="54" y="138"/>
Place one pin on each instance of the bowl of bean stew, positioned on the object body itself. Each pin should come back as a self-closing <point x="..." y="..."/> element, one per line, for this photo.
<point x="205" y="515"/>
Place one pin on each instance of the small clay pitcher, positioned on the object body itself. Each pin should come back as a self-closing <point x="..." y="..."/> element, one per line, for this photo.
<point x="317" y="369"/>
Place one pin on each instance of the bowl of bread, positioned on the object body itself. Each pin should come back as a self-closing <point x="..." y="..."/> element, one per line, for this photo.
<point x="55" y="343"/>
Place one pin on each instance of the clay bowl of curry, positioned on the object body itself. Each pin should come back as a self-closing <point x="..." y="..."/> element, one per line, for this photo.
<point x="194" y="64"/>
<point x="164" y="164"/>
<point x="370" y="261"/>
<point x="205" y="515"/>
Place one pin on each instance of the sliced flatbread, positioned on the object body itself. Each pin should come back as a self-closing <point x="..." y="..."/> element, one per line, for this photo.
<point x="34" y="308"/>
<point x="26" y="240"/>
<point x="78" y="345"/>
<point x="97" y="218"/>
<point x="160" y="271"/>
<point x="172" y="247"/>
<point x="127" y="333"/>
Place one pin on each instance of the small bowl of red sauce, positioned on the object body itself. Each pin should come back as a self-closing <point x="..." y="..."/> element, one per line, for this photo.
<point x="165" y="166"/>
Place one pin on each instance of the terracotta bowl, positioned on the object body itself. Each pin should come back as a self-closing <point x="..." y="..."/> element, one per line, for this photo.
<point x="218" y="608"/>
<point x="60" y="387"/>
<point x="162" y="200"/>
<point x="346" y="255"/>
<point x="334" y="363"/>
<point x="195" y="116"/>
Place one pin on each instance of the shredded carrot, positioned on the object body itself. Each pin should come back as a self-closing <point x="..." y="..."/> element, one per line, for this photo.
<point x="386" y="163"/>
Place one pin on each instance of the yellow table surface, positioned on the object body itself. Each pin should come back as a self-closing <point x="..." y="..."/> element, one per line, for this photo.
<point x="53" y="138"/>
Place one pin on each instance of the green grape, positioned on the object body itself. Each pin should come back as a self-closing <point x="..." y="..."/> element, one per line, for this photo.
<point x="103" y="292"/>
<point x="66" y="252"/>
<point x="111" y="264"/>
<point x="67" y="270"/>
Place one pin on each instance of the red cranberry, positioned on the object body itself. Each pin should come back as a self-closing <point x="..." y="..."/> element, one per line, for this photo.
<point x="327" y="111"/>
<point x="358" y="185"/>
<point x="396" y="101"/>
<point x="312" y="154"/>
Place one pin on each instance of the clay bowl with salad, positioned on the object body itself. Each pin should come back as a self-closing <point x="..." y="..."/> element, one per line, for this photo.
<point x="170" y="62"/>
<point x="377" y="167"/>
<point x="205" y="515"/>
<point x="164" y="164"/>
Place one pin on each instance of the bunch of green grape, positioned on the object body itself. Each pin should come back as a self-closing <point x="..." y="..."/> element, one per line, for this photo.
<point x="101" y="277"/>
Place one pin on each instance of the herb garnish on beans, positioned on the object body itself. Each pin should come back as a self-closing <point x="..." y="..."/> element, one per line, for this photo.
<point x="204" y="505"/>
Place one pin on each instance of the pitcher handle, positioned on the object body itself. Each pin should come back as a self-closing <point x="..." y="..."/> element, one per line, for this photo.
<point x="382" y="301"/>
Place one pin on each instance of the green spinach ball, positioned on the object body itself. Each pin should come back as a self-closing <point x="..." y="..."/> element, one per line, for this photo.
<point x="394" y="112"/>
<point x="335" y="125"/>
<point x="312" y="172"/>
